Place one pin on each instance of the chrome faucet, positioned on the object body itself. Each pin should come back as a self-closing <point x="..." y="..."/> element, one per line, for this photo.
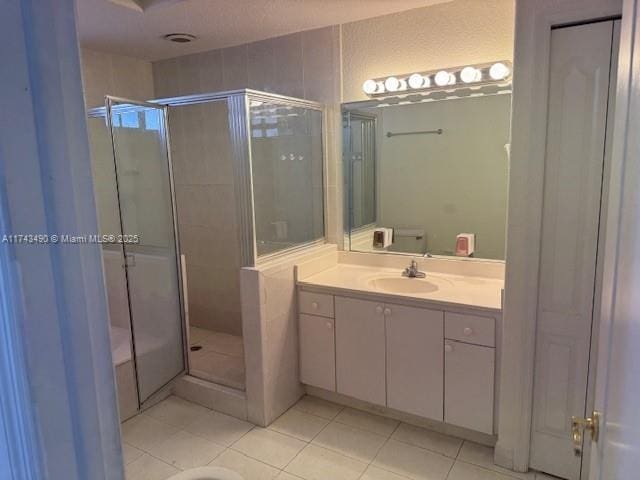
<point x="412" y="271"/>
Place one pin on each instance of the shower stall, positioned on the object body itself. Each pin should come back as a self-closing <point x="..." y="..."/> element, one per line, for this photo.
<point x="191" y="189"/>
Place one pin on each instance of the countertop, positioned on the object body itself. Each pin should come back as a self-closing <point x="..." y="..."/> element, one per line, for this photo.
<point x="452" y="290"/>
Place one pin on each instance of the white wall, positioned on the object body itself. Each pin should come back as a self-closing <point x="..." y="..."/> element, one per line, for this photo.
<point x="445" y="35"/>
<point x="108" y="74"/>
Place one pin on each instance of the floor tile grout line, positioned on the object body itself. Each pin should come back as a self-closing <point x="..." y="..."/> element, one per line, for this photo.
<point x="460" y="449"/>
<point x="160" y="460"/>
<point x="377" y="452"/>
<point x="425" y="448"/>
<point x="295" y="407"/>
<point x="207" y="411"/>
<point x="392" y="471"/>
<point x="183" y="469"/>
<point x="249" y="457"/>
<point x="453" y="461"/>
<point x="366" y="429"/>
<point x="506" y="473"/>
<point x="148" y="452"/>
<point x="361" y="429"/>
<point x="308" y="442"/>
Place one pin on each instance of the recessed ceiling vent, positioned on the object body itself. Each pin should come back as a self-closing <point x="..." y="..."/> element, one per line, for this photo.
<point x="180" y="37"/>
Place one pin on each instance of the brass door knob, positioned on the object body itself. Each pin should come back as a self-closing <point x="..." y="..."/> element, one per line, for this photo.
<point x="579" y="425"/>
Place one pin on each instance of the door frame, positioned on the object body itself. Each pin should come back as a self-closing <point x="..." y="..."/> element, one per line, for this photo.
<point x="533" y="24"/>
<point x="109" y="103"/>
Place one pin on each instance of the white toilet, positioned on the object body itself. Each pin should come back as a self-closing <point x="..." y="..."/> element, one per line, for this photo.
<point x="207" y="473"/>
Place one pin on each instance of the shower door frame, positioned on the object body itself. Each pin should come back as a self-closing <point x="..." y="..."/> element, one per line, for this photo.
<point x="104" y="113"/>
<point x="347" y="116"/>
<point x="239" y="125"/>
<point x="242" y="159"/>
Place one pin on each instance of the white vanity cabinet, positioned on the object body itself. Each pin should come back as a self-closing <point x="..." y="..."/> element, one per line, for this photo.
<point x="317" y="351"/>
<point x="469" y="371"/>
<point x="360" y="349"/>
<point x="468" y="385"/>
<point x="434" y="363"/>
<point x="414" y="360"/>
<point x="316" y="328"/>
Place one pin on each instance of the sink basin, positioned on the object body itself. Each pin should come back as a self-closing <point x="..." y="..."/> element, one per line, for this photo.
<point x="403" y="285"/>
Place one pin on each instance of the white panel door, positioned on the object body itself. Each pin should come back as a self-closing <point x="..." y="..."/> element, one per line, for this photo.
<point x="360" y="349"/>
<point x="414" y="360"/>
<point x="317" y="351"/>
<point x="468" y="385"/>
<point x="577" y="111"/>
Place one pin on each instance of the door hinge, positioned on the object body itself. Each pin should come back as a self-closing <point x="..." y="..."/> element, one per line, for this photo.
<point x="579" y="425"/>
<point x="129" y="260"/>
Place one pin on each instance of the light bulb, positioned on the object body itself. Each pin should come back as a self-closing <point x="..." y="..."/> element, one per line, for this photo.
<point x="499" y="71"/>
<point x="392" y="84"/>
<point x="443" y="78"/>
<point x="416" y="81"/>
<point x="470" y="74"/>
<point x="369" y="87"/>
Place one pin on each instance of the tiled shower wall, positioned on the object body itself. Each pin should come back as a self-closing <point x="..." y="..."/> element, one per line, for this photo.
<point x="116" y="75"/>
<point x="304" y="65"/>
<point x="203" y="177"/>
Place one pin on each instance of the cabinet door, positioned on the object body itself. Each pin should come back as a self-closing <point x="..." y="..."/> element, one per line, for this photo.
<point x="468" y="386"/>
<point x="317" y="352"/>
<point x="360" y="349"/>
<point x="415" y="365"/>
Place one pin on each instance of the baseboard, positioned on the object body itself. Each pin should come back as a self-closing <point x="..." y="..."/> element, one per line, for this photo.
<point x="440" y="427"/>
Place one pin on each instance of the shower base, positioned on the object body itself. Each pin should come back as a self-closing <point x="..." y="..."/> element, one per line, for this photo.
<point x="220" y="358"/>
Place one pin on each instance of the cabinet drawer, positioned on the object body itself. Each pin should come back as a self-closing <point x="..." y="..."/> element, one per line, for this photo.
<point x="470" y="329"/>
<point x="316" y="304"/>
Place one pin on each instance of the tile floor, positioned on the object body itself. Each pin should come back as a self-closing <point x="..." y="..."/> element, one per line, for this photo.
<point x="221" y="358"/>
<point x="314" y="440"/>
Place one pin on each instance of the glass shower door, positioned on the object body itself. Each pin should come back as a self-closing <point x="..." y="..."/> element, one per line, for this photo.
<point x="149" y="241"/>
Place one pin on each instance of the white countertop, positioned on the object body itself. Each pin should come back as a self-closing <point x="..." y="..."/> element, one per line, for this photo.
<point x="458" y="290"/>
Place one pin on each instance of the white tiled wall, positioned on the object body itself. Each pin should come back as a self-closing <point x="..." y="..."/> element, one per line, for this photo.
<point x="303" y="65"/>
<point x="270" y="325"/>
<point x="203" y="176"/>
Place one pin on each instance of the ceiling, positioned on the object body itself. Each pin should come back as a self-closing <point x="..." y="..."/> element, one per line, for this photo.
<point x="136" y="27"/>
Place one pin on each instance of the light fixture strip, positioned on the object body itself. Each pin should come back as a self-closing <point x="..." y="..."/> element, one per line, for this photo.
<point x="442" y="79"/>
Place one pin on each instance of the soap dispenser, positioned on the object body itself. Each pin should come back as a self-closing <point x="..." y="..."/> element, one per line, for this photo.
<point x="465" y="244"/>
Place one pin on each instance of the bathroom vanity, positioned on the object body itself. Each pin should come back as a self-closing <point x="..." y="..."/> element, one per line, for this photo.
<point x="428" y="347"/>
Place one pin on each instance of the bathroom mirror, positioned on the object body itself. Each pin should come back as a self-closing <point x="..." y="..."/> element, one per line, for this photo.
<point x="427" y="177"/>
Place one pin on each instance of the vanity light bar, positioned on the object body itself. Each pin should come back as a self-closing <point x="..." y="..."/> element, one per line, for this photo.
<point x="444" y="79"/>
